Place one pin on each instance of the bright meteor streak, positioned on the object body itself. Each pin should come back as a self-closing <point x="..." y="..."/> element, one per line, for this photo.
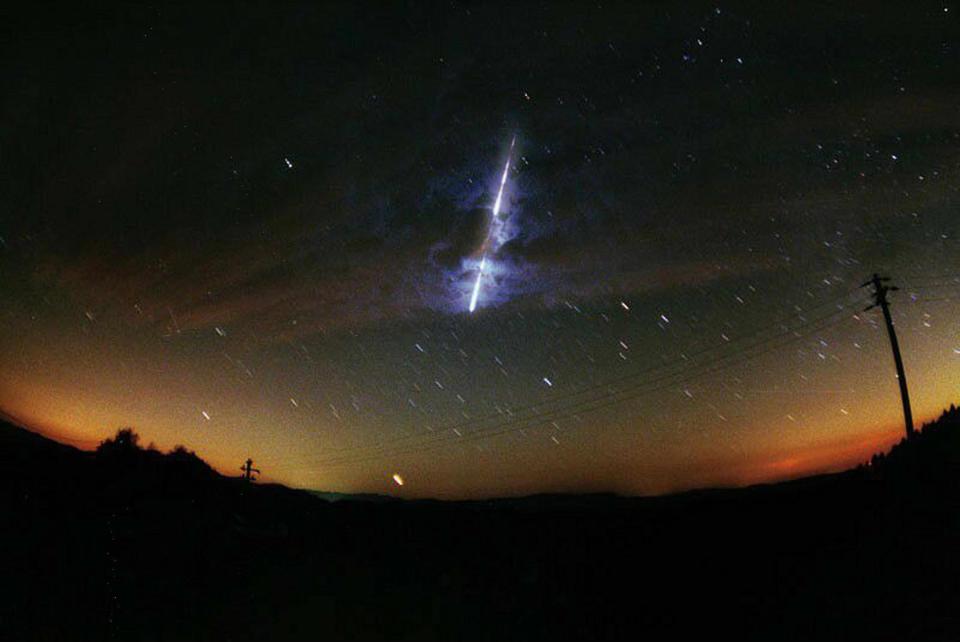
<point x="476" y="286"/>
<point x="496" y="213"/>
<point x="503" y="180"/>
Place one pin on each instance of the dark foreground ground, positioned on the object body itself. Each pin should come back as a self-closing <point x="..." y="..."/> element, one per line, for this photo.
<point x="142" y="546"/>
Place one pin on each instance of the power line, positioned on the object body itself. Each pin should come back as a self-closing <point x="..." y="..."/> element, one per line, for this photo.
<point x="597" y="402"/>
<point x="546" y="406"/>
<point x="941" y="299"/>
<point x="683" y="373"/>
<point x="584" y="407"/>
<point x="605" y="384"/>
<point x="932" y="285"/>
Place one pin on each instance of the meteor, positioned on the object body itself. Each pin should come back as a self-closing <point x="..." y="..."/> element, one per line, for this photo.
<point x="476" y="286"/>
<point x="486" y="242"/>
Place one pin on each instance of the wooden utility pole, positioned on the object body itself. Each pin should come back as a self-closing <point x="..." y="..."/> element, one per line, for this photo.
<point x="880" y="300"/>
<point x="248" y="471"/>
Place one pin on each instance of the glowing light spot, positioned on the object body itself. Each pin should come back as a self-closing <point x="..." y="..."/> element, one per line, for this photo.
<point x="398" y="479"/>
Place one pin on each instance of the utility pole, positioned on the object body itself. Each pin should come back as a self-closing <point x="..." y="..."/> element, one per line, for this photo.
<point x="248" y="471"/>
<point x="880" y="300"/>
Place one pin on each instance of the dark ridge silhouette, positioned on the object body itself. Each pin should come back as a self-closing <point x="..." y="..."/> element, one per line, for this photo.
<point x="128" y="543"/>
<point x="932" y="455"/>
<point x="353" y="497"/>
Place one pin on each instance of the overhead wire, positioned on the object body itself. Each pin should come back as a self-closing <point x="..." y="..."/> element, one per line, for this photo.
<point x="555" y="409"/>
<point x="544" y="404"/>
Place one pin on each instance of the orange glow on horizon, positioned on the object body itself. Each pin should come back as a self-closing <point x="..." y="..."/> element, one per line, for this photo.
<point x="81" y="390"/>
<point x="841" y="453"/>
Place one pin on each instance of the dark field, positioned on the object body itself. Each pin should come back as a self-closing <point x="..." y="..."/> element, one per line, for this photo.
<point x="136" y="545"/>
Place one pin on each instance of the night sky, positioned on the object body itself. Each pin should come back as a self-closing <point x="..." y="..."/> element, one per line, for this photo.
<point x="255" y="232"/>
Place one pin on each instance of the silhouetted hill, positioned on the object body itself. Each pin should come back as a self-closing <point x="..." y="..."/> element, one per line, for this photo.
<point x="352" y="497"/>
<point x="931" y="456"/>
<point x="132" y="544"/>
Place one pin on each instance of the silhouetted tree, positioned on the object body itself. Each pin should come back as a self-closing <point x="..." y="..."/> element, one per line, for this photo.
<point x="126" y="441"/>
<point x="186" y="462"/>
<point x="182" y="452"/>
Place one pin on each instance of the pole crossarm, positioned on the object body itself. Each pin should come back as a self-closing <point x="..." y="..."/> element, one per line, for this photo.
<point x="880" y="290"/>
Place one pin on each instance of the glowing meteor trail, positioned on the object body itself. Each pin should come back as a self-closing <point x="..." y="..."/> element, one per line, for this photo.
<point x="496" y="213"/>
<point x="476" y="286"/>
<point x="503" y="180"/>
